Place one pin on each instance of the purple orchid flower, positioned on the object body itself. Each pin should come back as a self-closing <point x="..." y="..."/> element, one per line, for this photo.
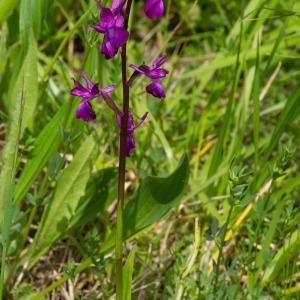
<point x="111" y="24"/>
<point x="85" y="110"/>
<point x="154" y="8"/>
<point x="156" y="89"/>
<point x="130" y="141"/>
<point x="155" y="72"/>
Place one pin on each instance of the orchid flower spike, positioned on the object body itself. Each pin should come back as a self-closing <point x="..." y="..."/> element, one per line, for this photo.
<point x="155" y="72"/>
<point x="111" y="24"/>
<point x="130" y="141"/>
<point x="154" y="8"/>
<point x="85" y="110"/>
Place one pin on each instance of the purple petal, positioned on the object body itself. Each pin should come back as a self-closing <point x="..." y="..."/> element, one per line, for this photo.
<point x="106" y="17"/>
<point x="78" y="85"/>
<point x="80" y="93"/>
<point x="157" y="73"/>
<point x="130" y="145"/>
<point x="154" y="8"/>
<point x="143" y="69"/>
<point x="130" y="124"/>
<point x="156" y="89"/>
<point x="89" y="83"/>
<point x="108" y="49"/>
<point x="119" y="21"/>
<point x="85" y="112"/>
<point x="79" y="90"/>
<point x="98" y="27"/>
<point x="119" y="120"/>
<point x="117" y="6"/>
<point x="118" y="36"/>
<point x="159" y="61"/>
<point x="108" y="89"/>
<point x="95" y="90"/>
<point x="141" y="121"/>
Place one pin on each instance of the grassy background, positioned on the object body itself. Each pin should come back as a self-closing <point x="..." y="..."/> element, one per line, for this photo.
<point x="232" y="105"/>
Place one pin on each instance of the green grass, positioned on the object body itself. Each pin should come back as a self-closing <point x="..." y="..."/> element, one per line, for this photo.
<point x="232" y="106"/>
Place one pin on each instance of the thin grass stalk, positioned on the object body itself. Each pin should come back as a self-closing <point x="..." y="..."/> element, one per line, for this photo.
<point x="220" y="256"/>
<point x="190" y="262"/>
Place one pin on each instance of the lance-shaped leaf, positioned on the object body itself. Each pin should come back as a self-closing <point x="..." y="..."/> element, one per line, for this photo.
<point x="44" y="146"/>
<point x="70" y="188"/>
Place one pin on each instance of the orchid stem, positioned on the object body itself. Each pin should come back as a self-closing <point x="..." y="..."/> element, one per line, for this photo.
<point x="122" y="168"/>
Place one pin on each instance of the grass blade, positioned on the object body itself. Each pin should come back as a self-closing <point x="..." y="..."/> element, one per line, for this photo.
<point x="127" y="275"/>
<point x="286" y="253"/>
<point x="256" y="106"/>
<point x="289" y="113"/>
<point x="6" y="8"/>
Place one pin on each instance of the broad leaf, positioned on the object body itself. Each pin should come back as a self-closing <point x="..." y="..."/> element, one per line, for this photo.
<point x="100" y="192"/>
<point x="70" y="188"/>
<point x="155" y="198"/>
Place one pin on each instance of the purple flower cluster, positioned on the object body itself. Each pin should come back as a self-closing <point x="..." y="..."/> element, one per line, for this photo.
<point x="130" y="141"/>
<point x="112" y="25"/>
<point x="85" y="110"/>
<point x="155" y="73"/>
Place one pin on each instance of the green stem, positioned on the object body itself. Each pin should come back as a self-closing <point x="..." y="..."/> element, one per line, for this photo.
<point x="122" y="168"/>
<point x="221" y="249"/>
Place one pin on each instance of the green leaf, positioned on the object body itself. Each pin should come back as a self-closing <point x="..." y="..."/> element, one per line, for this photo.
<point x="9" y="157"/>
<point x="3" y="48"/>
<point x="289" y="250"/>
<point x="6" y="8"/>
<point x="70" y="188"/>
<point x="289" y="113"/>
<point x="27" y="76"/>
<point x="45" y="145"/>
<point x="154" y="199"/>
<point x="127" y="275"/>
<point x="32" y="13"/>
<point x="100" y="193"/>
<point x="39" y="9"/>
<point x="256" y="105"/>
<point x="25" y="25"/>
<point x="7" y="180"/>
